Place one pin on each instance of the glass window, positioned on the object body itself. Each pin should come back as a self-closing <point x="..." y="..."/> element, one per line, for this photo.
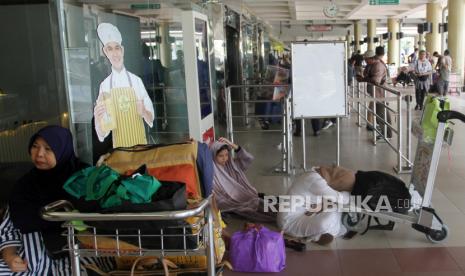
<point x="31" y="92"/>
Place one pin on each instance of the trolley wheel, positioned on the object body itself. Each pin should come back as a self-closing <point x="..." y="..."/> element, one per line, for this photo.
<point x="436" y="236"/>
<point x="351" y="220"/>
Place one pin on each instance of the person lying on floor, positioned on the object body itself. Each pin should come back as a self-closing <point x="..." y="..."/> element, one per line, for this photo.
<point x="334" y="182"/>
<point x="231" y="188"/>
<point x="308" y="218"/>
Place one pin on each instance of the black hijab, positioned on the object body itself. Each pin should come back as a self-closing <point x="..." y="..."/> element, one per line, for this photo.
<point x="40" y="187"/>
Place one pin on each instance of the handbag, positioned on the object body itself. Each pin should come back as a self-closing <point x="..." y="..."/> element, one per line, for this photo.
<point x="257" y="249"/>
<point x="151" y="266"/>
<point x="422" y="78"/>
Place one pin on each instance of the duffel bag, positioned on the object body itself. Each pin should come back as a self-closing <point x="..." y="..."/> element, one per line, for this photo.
<point x="176" y="162"/>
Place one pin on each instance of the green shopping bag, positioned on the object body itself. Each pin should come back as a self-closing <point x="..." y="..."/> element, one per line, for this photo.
<point x="429" y="122"/>
<point x="91" y="183"/>
<point x="138" y="189"/>
<point x="109" y="189"/>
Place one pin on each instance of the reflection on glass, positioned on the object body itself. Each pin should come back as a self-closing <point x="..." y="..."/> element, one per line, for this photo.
<point x="165" y="80"/>
<point x="247" y="55"/>
<point x="175" y="90"/>
<point x="201" y="43"/>
<point x="30" y="94"/>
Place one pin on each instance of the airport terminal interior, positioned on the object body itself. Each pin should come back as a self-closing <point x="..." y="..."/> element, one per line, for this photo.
<point x="291" y="82"/>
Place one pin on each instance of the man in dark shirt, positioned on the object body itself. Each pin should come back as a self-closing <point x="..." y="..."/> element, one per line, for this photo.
<point x="358" y="63"/>
<point x="413" y="56"/>
<point x="375" y="73"/>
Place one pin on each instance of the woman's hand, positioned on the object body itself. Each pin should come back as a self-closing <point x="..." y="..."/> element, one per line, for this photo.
<point x="14" y="262"/>
<point x="227" y="142"/>
<point x="17" y="264"/>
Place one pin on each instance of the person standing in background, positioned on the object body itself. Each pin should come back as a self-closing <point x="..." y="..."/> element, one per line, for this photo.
<point x="358" y="65"/>
<point x="444" y="66"/>
<point x="423" y="71"/>
<point x="413" y="56"/>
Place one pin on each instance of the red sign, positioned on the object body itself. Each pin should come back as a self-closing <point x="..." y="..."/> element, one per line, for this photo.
<point x="319" y="28"/>
<point x="208" y="136"/>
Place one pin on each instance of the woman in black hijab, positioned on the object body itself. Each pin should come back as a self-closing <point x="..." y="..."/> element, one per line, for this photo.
<point x="52" y="153"/>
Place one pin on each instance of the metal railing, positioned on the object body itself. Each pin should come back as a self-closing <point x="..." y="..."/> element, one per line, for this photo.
<point x="245" y="100"/>
<point x="455" y="83"/>
<point x="359" y="102"/>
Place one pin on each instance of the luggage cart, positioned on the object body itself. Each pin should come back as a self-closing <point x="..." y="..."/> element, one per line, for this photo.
<point x="422" y="217"/>
<point x="200" y="232"/>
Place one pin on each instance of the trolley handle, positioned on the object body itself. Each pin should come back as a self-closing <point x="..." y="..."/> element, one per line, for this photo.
<point x="444" y="116"/>
<point x="51" y="213"/>
<point x="58" y="205"/>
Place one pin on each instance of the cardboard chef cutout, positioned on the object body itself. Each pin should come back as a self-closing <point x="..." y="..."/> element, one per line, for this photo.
<point x="123" y="104"/>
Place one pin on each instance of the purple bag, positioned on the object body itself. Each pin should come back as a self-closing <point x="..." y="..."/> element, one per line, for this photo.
<point x="257" y="249"/>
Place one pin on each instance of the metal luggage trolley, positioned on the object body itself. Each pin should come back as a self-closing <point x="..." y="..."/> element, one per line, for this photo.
<point x="422" y="217"/>
<point x="197" y="238"/>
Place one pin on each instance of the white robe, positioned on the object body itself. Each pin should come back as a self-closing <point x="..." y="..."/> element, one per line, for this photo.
<point x="295" y="222"/>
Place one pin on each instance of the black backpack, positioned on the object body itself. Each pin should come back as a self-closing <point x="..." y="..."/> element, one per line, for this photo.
<point x="377" y="184"/>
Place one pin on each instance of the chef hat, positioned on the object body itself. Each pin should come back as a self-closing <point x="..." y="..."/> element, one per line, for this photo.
<point x="108" y="33"/>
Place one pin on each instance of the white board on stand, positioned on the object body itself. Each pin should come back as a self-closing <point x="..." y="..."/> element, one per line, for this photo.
<point x="319" y="80"/>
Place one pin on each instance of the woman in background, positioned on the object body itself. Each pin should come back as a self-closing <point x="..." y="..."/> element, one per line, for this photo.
<point x="233" y="191"/>
<point x="423" y="71"/>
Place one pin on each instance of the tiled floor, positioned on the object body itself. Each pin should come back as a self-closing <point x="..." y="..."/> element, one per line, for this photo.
<point x="402" y="251"/>
<point x="442" y="261"/>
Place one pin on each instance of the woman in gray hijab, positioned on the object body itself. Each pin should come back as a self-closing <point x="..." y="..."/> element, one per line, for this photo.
<point x="423" y="71"/>
<point x="233" y="191"/>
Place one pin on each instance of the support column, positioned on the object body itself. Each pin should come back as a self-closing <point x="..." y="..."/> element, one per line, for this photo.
<point x="393" y="44"/>
<point x="165" y="46"/>
<point x="371" y="33"/>
<point x="456" y="36"/>
<point x="433" y="15"/>
<point x="357" y="35"/>
<point x="443" y="34"/>
<point x="349" y="41"/>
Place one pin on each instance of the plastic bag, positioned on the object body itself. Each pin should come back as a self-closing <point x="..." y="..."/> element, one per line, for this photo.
<point x="257" y="249"/>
